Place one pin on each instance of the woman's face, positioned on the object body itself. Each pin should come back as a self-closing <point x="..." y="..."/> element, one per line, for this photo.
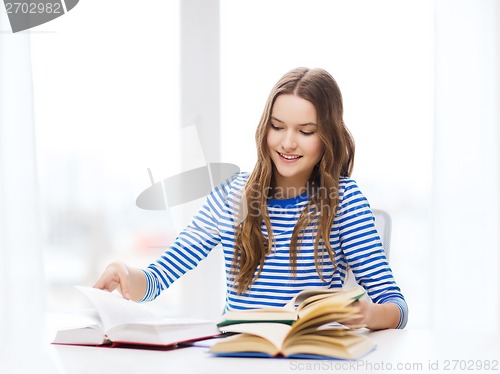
<point x="293" y="142"/>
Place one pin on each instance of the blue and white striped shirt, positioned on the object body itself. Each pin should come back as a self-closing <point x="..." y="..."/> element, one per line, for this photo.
<point x="353" y="237"/>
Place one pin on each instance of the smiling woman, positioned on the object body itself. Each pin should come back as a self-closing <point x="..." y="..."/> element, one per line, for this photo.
<point x="284" y="246"/>
<point x="294" y="144"/>
<point x="381" y="54"/>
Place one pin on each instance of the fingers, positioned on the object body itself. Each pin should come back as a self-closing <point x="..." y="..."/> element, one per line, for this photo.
<point x="102" y="283"/>
<point x="116" y="276"/>
<point x="358" y="318"/>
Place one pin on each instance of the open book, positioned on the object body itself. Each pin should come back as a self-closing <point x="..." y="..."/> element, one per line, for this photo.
<point x="118" y="321"/>
<point x="293" y="309"/>
<point x="315" y="331"/>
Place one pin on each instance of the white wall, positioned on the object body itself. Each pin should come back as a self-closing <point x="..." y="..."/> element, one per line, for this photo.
<point x="466" y="188"/>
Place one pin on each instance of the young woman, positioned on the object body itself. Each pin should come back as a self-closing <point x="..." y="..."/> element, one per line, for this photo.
<point x="296" y="222"/>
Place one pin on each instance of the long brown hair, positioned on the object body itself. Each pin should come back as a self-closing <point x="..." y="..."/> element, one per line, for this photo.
<point x="318" y="87"/>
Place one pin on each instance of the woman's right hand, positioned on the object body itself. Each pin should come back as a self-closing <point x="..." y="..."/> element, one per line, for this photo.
<point x="115" y="276"/>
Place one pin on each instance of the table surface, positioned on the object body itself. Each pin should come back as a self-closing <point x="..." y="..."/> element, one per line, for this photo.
<point x="397" y="351"/>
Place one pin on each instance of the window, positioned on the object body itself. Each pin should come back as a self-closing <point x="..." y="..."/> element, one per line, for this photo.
<point x="106" y="109"/>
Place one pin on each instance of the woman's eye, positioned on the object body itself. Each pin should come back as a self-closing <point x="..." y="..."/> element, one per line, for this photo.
<point x="275" y="127"/>
<point x="307" y="133"/>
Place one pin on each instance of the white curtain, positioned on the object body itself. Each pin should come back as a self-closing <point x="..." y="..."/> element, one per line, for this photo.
<point x="466" y="204"/>
<point x="22" y="338"/>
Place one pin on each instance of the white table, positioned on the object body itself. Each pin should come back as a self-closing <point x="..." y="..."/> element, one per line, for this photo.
<point x="398" y="351"/>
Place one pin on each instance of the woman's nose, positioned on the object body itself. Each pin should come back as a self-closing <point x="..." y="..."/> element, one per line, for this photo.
<point x="288" y="141"/>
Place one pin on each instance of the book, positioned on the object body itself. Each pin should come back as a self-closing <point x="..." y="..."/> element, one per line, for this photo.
<point x="298" y="305"/>
<point x="116" y="321"/>
<point x="310" y="326"/>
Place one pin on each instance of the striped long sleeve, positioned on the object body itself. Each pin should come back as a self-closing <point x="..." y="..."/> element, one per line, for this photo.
<point x="353" y="238"/>
<point x="363" y="250"/>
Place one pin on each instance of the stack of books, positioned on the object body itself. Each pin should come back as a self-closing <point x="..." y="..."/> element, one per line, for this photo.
<point x="310" y="326"/>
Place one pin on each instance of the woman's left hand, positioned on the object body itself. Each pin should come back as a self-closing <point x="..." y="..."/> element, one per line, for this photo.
<point x="375" y="316"/>
<point x="365" y="308"/>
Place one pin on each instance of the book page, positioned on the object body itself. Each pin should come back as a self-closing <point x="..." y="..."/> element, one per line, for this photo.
<point x="114" y="310"/>
<point x="304" y="295"/>
<point x="309" y="297"/>
<point x="273" y="332"/>
<point x="82" y="327"/>
<point x="315" y="294"/>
